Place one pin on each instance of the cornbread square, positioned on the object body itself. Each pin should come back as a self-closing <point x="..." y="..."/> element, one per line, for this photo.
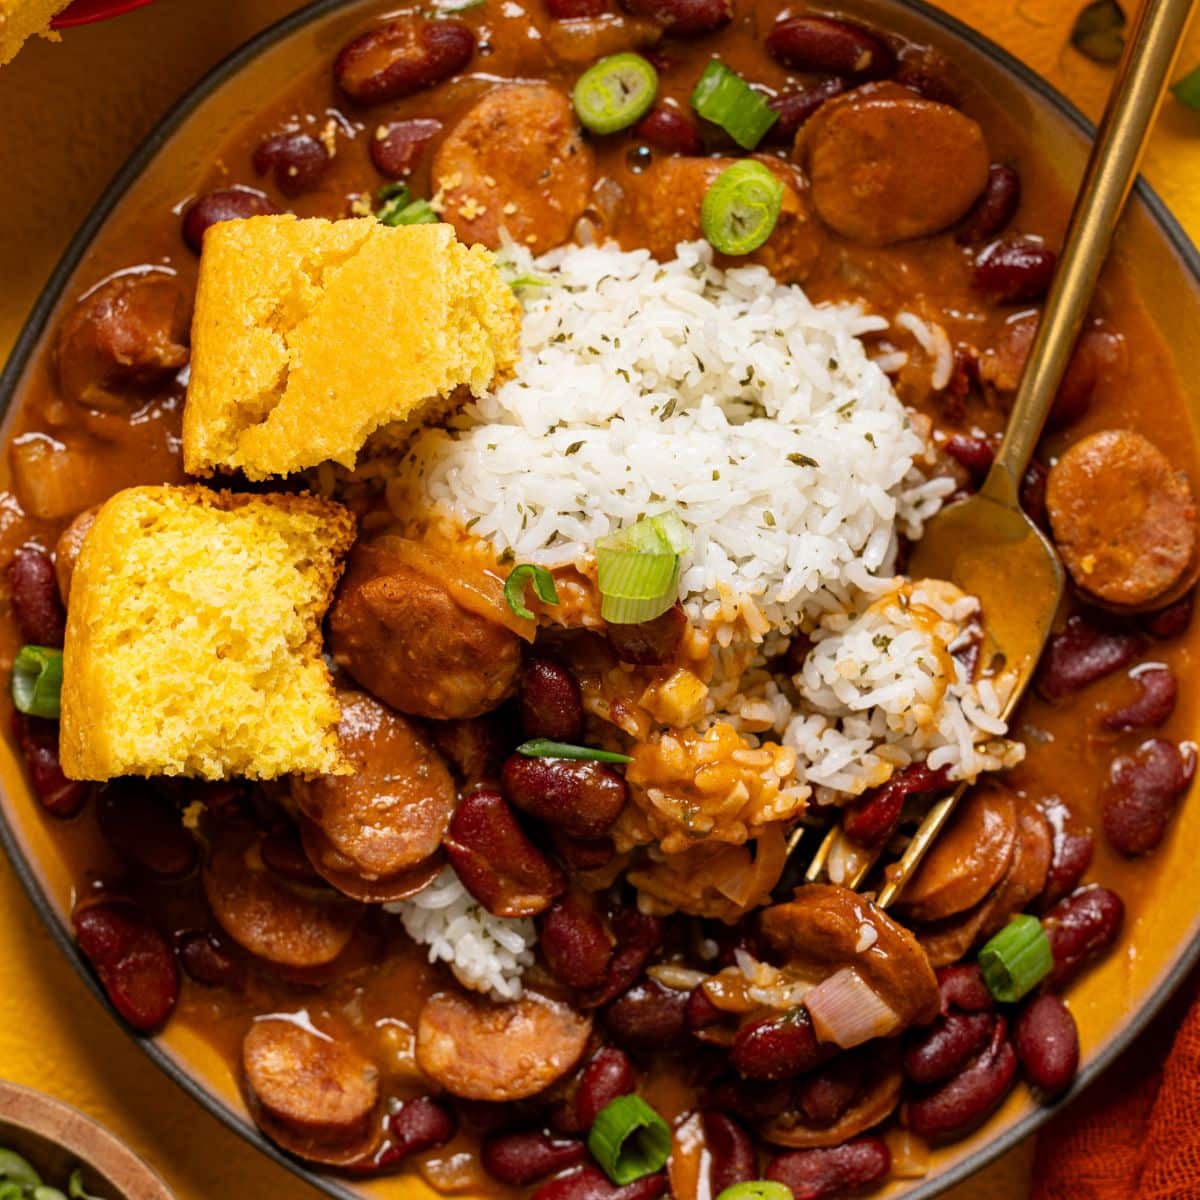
<point x="193" y="640"/>
<point x="21" y="19"/>
<point x="309" y="335"/>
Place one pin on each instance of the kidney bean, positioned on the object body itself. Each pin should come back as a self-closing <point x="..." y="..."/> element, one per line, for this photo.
<point x="751" y="1100"/>
<point x="871" y="819"/>
<point x="1082" y="653"/>
<point x="573" y="10"/>
<point x="145" y="829"/>
<point x="1070" y="852"/>
<point x="647" y="1017"/>
<point x="282" y="851"/>
<point x="227" y="204"/>
<point x="583" y="854"/>
<point x="1172" y="621"/>
<point x="946" y="1047"/>
<point x="575" y="943"/>
<point x="37" y="739"/>
<point x="551" y="702"/>
<point x="994" y="209"/>
<point x="928" y="75"/>
<point x="651" y="643"/>
<point x="637" y="935"/>
<point x="134" y="961"/>
<point x="590" y="1183"/>
<point x="827" y="46"/>
<point x="496" y="861"/>
<point x="1014" y="270"/>
<point x="1047" y="1044"/>
<point x="826" y="1095"/>
<point x="405" y="56"/>
<point x="419" y="1125"/>
<point x="776" y="1047"/>
<point x="519" y="1159"/>
<point x="795" y="108"/>
<point x="701" y="1014"/>
<point x="37" y="604"/>
<point x="732" y="1157"/>
<point x="672" y="132"/>
<point x="684" y="18"/>
<point x="582" y="799"/>
<point x="959" y="1105"/>
<point x="206" y="960"/>
<point x="396" y="147"/>
<point x="1143" y="791"/>
<point x="608" y="1075"/>
<point x="832" y="1170"/>
<point x="1096" y="350"/>
<point x="1081" y="927"/>
<point x="976" y="454"/>
<point x="296" y="161"/>
<point x="962" y="988"/>
<point x="1157" y="694"/>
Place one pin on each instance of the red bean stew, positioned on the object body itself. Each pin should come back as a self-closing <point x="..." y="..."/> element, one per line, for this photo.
<point x="253" y="913"/>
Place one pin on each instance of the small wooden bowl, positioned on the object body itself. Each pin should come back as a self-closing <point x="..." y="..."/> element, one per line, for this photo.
<point x="57" y="1138"/>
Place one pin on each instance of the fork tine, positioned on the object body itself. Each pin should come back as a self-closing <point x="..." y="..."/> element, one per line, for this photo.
<point x="930" y="827"/>
<point x="817" y="864"/>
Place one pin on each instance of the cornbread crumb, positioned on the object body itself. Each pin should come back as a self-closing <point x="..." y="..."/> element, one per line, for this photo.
<point x="21" y="19"/>
<point x="310" y="335"/>
<point x="193" y="640"/>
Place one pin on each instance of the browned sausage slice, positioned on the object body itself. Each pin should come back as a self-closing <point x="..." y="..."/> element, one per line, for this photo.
<point x="516" y="161"/>
<point x="484" y="1051"/>
<point x="404" y="635"/>
<point x="1124" y="518"/>
<point x="283" y="924"/>
<point x="339" y="872"/>
<point x="887" y="165"/>
<point x="310" y="1089"/>
<point x="392" y="812"/>
<point x="972" y="855"/>
<point x="663" y="203"/>
<point x="66" y="550"/>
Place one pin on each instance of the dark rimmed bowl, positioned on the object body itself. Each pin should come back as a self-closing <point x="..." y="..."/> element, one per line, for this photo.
<point x="1114" y="1002"/>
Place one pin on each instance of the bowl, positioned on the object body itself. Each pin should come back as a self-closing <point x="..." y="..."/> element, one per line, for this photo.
<point x="1112" y="1003"/>
<point x="56" y="1138"/>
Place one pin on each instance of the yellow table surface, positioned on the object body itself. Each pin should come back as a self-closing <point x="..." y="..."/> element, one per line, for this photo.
<point x="69" y="114"/>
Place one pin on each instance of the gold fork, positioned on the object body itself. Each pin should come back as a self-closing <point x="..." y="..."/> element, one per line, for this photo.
<point x="986" y="544"/>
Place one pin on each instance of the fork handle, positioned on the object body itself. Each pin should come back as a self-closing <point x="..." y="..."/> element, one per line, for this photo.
<point x="1136" y="94"/>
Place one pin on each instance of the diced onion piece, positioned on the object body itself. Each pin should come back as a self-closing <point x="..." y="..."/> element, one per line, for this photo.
<point x="741" y="208"/>
<point x="629" y="1140"/>
<point x="847" y="1011"/>
<point x="615" y="93"/>
<point x="37" y="681"/>
<point x="723" y="97"/>
<point x="637" y="569"/>
<point x="1017" y="959"/>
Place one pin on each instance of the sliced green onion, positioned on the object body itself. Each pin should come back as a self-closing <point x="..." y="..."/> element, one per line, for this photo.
<point x="12" y="1191"/>
<point x="637" y="569"/>
<point x="36" y="688"/>
<point x="1187" y="90"/>
<point x="519" y="578"/>
<point x="1017" y="959"/>
<point x="757" y="1189"/>
<point x="398" y="206"/>
<point x="629" y="1140"/>
<point x="75" y="1186"/>
<point x="741" y="208"/>
<point x="548" y="748"/>
<point x="615" y="93"/>
<point x="18" y="1170"/>
<point x="47" y="1193"/>
<point x="723" y="97"/>
<point x="1099" y="32"/>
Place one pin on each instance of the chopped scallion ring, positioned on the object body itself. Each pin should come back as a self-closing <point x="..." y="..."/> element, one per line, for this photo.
<point x="723" y="97"/>
<point x="637" y="569"/>
<point x="757" y="1189"/>
<point x="1187" y="90"/>
<point x="75" y="1187"/>
<point x="741" y="208"/>
<point x="615" y="93"/>
<point x="1017" y="959"/>
<point x="1099" y="32"/>
<point x="399" y="207"/>
<point x="16" y="1169"/>
<point x="37" y="681"/>
<point x="546" y="748"/>
<point x="519" y="578"/>
<point x="629" y="1140"/>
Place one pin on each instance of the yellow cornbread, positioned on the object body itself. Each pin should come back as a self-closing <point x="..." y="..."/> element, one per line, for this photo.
<point x="309" y="335"/>
<point x="21" y="19"/>
<point x="194" y="637"/>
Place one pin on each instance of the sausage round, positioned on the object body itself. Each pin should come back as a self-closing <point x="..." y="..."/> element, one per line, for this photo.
<point x="484" y="1051"/>
<point x="1123" y="518"/>
<point x="66" y="550"/>
<point x="340" y="873"/>
<point x="516" y="161"/>
<point x="887" y="166"/>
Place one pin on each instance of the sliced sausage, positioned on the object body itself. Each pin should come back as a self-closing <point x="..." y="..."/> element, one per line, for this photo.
<point x="340" y="873"/>
<point x="284" y="924"/>
<point x="1123" y="518"/>
<point x="392" y="812"/>
<point x="516" y="161"/>
<point x="127" y="336"/>
<point x="875" y="1102"/>
<point x="484" y="1051"/>
<point x="887" y="166"/>
<point x="316" y="1091"/>
<point x="970" y="857"/>
<point x="406" y="638"/>
<point x="663" y="203"/>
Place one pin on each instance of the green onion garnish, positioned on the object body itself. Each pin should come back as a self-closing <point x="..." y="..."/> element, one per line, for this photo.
<point x="37" y="683"/>
<point x="1099" y="32"/>
<point x="757" y="1189"/>
<point x="629" y="1140"/>
<point x="546" y="748"/>
<point x="399" y="207"/>
<point x="723" y="97"/>
<point x="1017" y="959"/>
<point x="637" y="569"/>
<point x="1187" y="90"/>
<point x="615" y="93"/>
<point x="741" y="208"/>
<point x="519" y="578"/>
<point x="75" y="1186"/>
<point x="18" y="1170"/>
